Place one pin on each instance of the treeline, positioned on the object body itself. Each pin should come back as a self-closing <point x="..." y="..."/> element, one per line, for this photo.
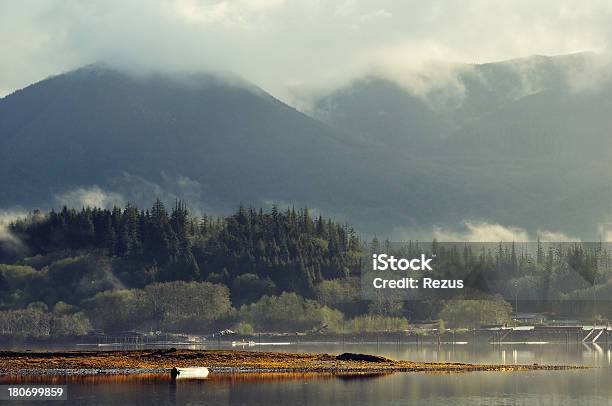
<point x="590" y="261"/>
<point x="71" y="271"/>
<point x="564" y="280"/>
<point x="155" y="269"/>
<point x="286" y="251"/>
<point x="36" y="321"/>
<point x="185" y="307"/>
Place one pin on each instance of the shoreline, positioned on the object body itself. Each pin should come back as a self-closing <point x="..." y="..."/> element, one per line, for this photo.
<point x="76" y="363"/>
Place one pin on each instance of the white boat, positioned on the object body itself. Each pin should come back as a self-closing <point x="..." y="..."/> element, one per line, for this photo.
<point x="192" y="373"/>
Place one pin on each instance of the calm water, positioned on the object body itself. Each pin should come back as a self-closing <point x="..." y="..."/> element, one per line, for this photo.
<point x="582" y="387"/>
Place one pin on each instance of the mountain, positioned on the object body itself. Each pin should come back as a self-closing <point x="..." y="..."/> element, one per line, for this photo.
<point x="522" y="143"/>
<point x="424" y="108"/>
<point x="530" y="138"/>
<point x="214" y="141"/>
<point x="219" y="139"/>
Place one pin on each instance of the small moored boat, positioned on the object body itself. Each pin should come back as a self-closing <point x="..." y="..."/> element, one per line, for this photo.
<point x="189" y="373"/>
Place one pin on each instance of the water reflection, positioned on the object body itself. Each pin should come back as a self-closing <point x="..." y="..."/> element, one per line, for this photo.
<point x="525" y="388"/>
<point x="156" y="378"/>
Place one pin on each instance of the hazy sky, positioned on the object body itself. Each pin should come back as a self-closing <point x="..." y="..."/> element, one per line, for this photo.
<point x="283" y="45"/>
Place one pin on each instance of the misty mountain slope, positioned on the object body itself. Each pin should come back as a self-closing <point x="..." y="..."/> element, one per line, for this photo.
<point x="378" y="156"/>
<point x="99" y="126"/>
<point x="215" y="142"/>
<point x="530" y="138"/>
<point x="453" y="96"/>
<point x="379" y="111"/>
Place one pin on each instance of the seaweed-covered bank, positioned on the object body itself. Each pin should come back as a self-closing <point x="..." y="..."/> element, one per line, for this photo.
<point x="220" y="361"/>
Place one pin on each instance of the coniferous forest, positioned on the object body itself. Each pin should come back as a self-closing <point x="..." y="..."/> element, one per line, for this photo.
<point x="73" y="271"/>
<point x="290" y="248"/>
<point x="108" y="260"/>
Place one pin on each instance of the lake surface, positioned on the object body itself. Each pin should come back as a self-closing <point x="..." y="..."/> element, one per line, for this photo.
<point x="579" y="387"/>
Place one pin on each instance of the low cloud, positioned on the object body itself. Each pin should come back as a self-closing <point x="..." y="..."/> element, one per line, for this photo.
<point x="276" y="43"/>
<point x="439" y="83"/>
<point x="92" y="196"/>
<point x="444" y="85"/>
<point x="605" y="232"/>
<point x="9" y="243"/>
<point x="167" y="188"/>
<point x="141" y="192"/>
<point x="481" y="231"/>
<point x="8" y="216"/>
<point x="551" y="236"/>
<point x="590" y="73"/>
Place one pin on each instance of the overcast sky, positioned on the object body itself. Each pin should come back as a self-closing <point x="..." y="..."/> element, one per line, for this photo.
<point x="283" y="45"/>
